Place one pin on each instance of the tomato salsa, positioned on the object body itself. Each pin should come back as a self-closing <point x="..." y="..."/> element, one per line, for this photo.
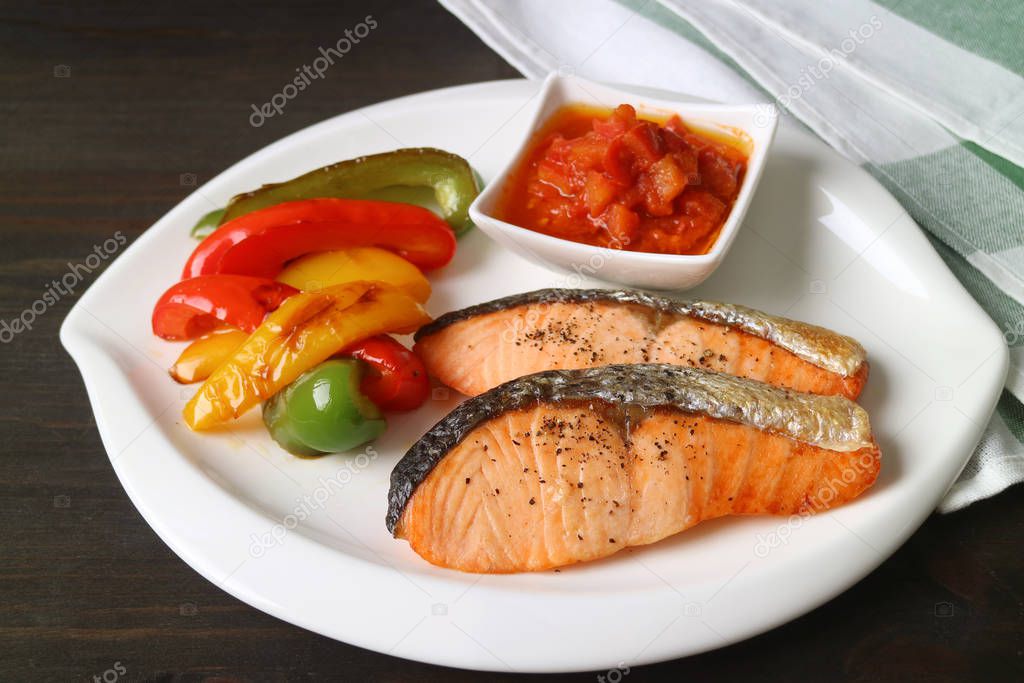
<point x="615" y="180"/>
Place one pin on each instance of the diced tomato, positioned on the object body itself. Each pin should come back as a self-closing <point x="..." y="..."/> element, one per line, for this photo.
<point x="674" y="142"/>
<point x="667" y="180"/>
<point x="621" y="119"/>
<point x="696" y="142"/>
<point x="645" y="143"/>
<point x="553" y="175"/>
<point x="687" y="160"/>
<point x="676" y="125"/>
<point x="704" y="212"/>
<point x="718" y="173"/>
<point x="618" y="162"/>
<point x="586" y="152"/>
<point x="622" y="224"/>
<point x="599" y="192"/>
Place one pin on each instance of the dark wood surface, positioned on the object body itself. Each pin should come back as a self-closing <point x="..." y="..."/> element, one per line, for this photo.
<point x="107" y="113"/>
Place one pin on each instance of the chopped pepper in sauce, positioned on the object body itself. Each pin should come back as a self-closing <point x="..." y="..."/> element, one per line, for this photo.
<point x="619" y="181"/>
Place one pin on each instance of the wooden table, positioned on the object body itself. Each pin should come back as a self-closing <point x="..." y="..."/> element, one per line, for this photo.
<point x="108" y="118"/>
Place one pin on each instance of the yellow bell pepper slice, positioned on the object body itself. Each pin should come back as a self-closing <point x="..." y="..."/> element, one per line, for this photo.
<point x="206" y="354"/>
<point x="307" y="329"/>
<point x="328" y="268"/>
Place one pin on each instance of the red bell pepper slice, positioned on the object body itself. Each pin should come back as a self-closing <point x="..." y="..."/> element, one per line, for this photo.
<point x="261" y="242"/>
<point x="397" y="380"/>
<point x="193" y="307"/>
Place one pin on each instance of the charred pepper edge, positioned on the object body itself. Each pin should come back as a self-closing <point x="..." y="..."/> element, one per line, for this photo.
<point x="830" y="422"/>
<point x="817" y="345"/>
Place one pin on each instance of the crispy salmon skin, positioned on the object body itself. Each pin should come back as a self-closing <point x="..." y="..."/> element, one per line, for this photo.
<point x="567" y="466"/>
<point x="475" y="349"/>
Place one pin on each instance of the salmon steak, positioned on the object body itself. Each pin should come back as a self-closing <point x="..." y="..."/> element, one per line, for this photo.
<point x="480" y="347"/>
<point x="567" y="466"/>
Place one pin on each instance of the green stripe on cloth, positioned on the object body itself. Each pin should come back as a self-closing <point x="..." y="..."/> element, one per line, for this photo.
<point x="956" y="196"/>
<point x="1012" y="412"/>
<point x="1012" y="172"/>
<point x="990" y="29"/>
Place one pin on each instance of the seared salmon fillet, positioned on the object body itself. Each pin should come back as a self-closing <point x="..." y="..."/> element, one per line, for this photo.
<point x="568" y="466"/>
<point x="480" y="347"/>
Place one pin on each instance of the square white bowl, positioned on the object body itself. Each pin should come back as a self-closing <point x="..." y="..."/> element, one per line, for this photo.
<point x="754" y="124"/>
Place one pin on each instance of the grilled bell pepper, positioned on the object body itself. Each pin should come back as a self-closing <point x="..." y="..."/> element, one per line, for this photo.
<point x="261" y="242"/>
<point x="450" y="176"/>
<point x="195" y="306"/>
<point x="206" y="354"/>
<point x="306" y="330"/>
<point x="323" y="411"/>
<point x="324" y="269"/>
<point x="396" y="378"/>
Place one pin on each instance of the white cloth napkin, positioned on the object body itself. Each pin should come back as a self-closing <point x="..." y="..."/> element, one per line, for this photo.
<point x="903" y="93"/>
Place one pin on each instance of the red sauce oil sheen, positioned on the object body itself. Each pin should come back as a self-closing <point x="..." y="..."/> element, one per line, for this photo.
<point x="611" y="179"/>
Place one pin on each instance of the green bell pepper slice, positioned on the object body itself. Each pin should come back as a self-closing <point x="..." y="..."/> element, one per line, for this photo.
<point x="414" y="175"/>
<point x="207" y="224"/>
<point x="323" y="411"/>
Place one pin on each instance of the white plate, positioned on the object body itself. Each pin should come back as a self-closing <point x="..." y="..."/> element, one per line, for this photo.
<point x="305" y="540"/>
